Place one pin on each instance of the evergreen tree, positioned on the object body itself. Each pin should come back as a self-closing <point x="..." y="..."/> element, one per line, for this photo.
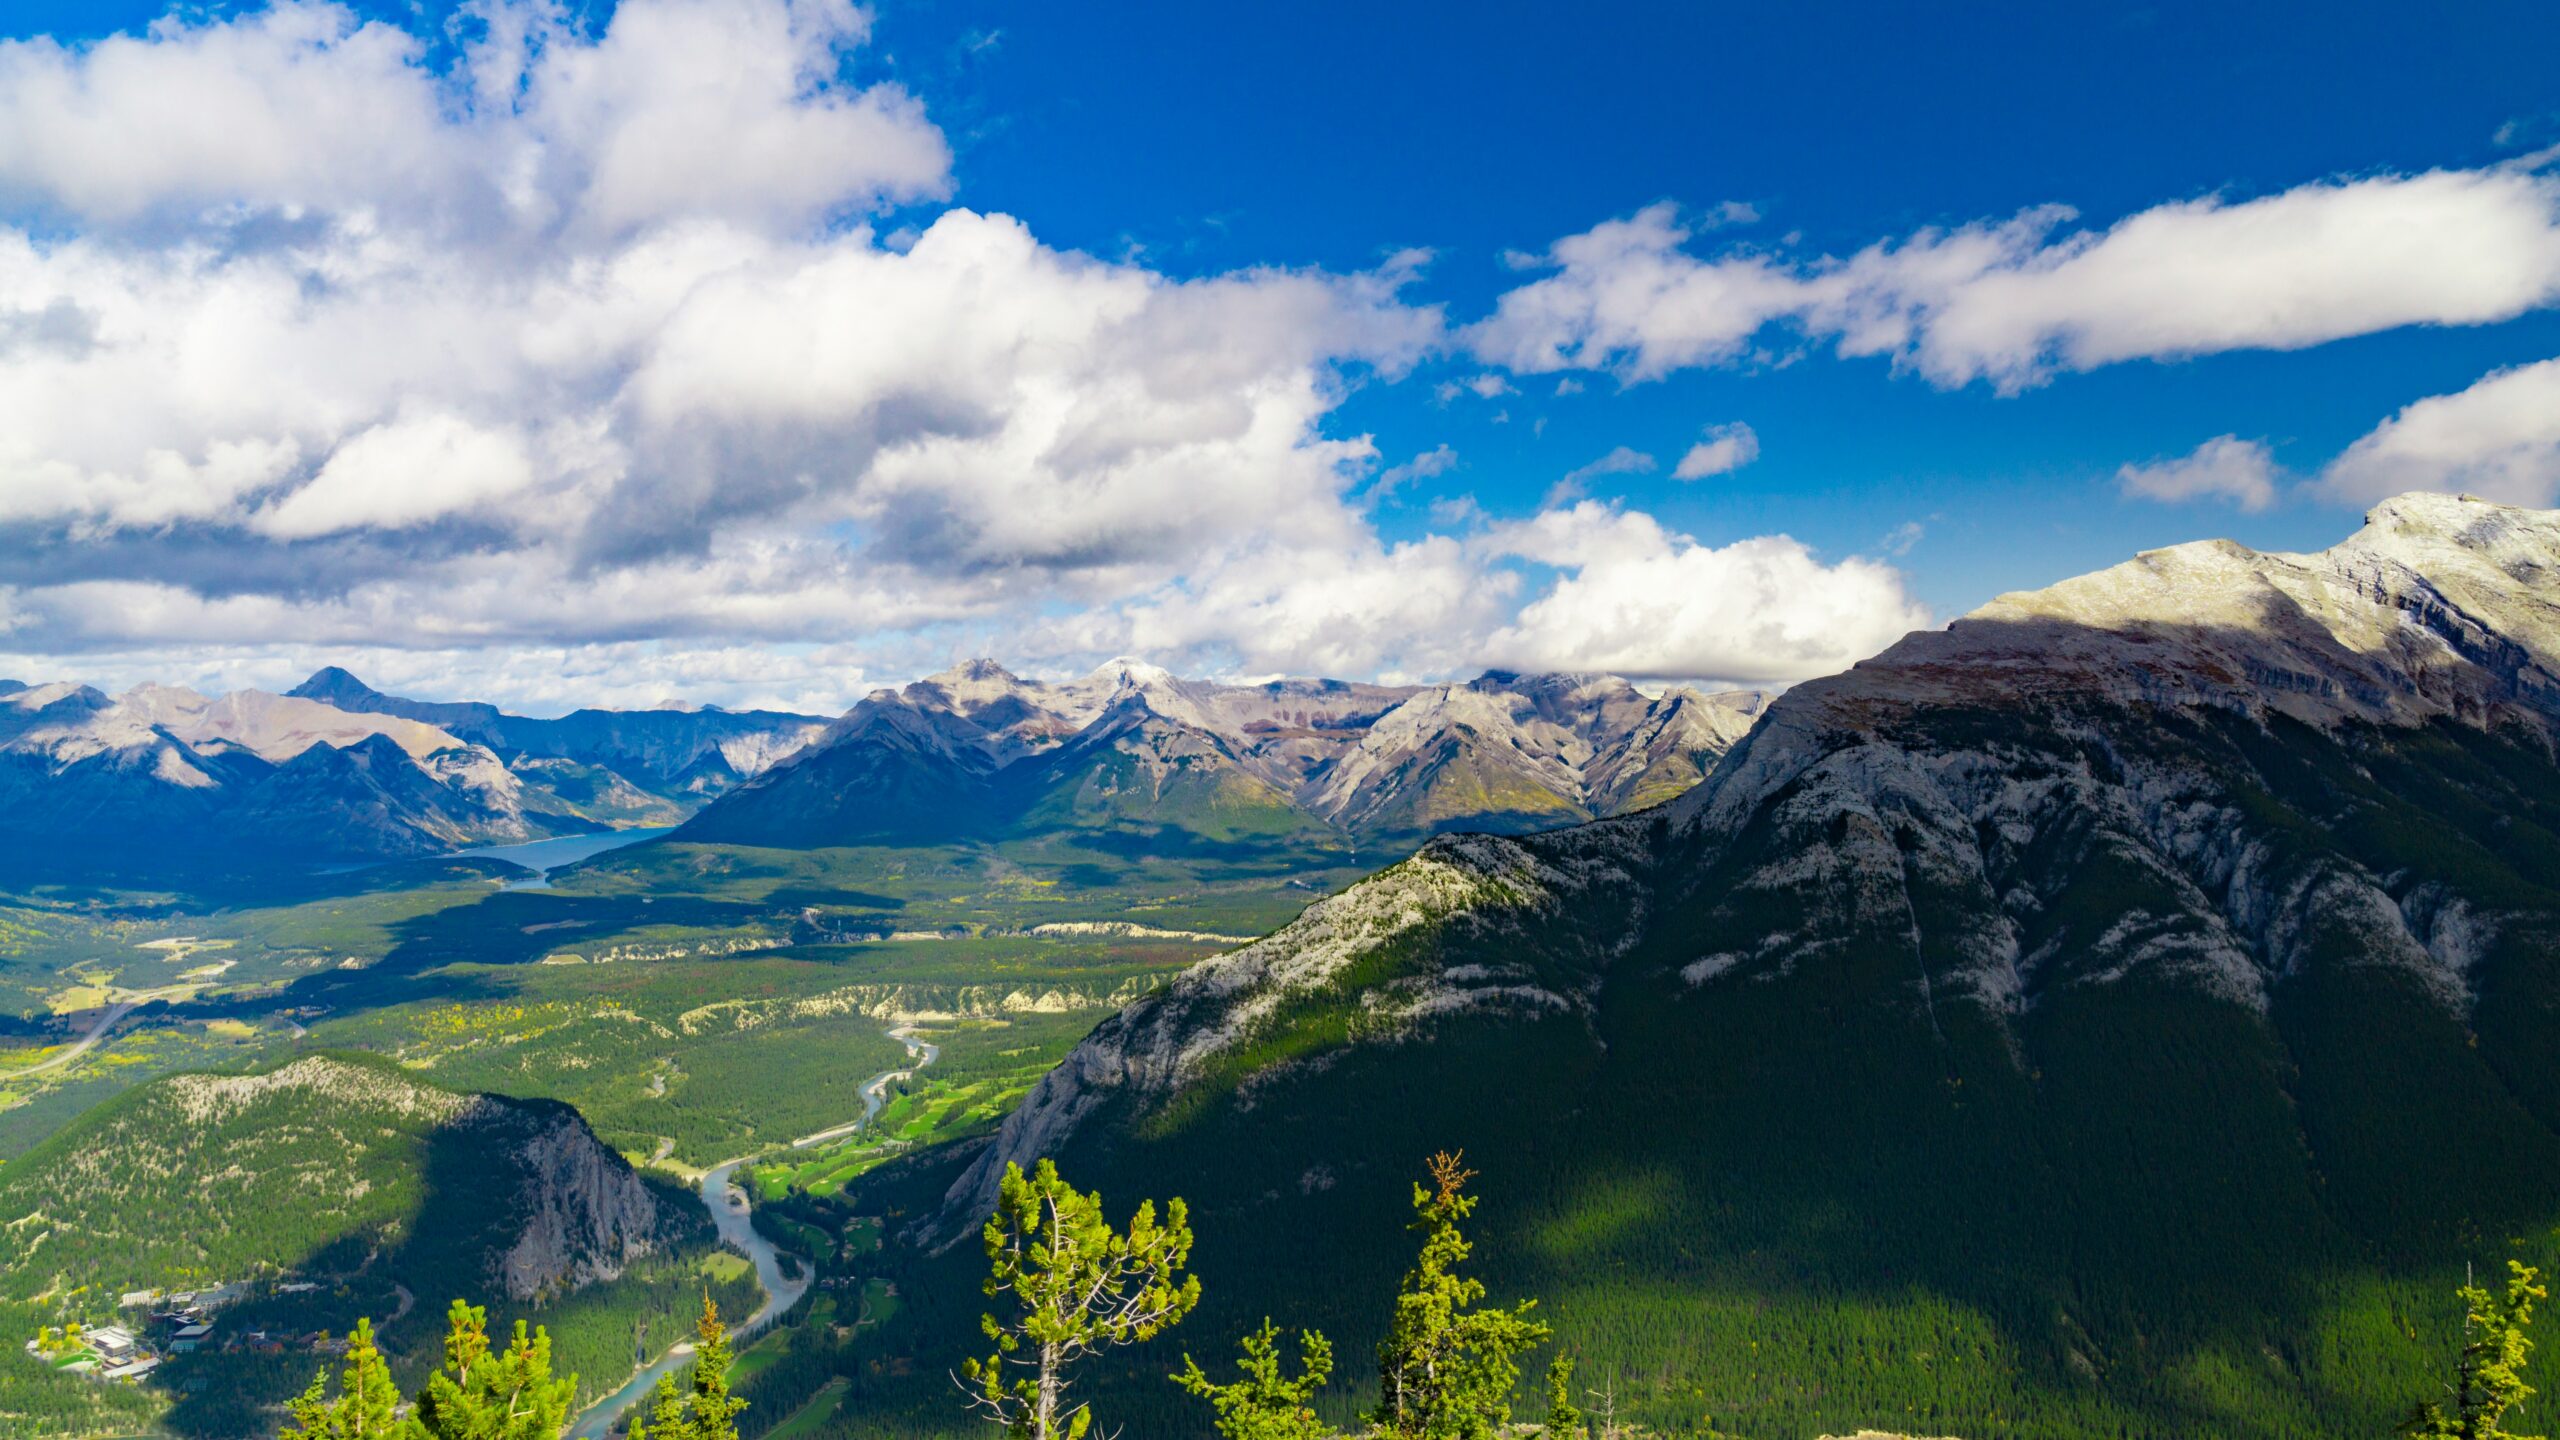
<point x="715" y="1410"/>
<point x="1081" y="1287"/>
<point x="705" y="1410"/>
<point x="665" y="1419"/>
<point x="1446" y="1369"/>
<point x="1266" y="1404"/>
<point x="1563" y="1417"/>
<point x="480" y="1396"/>
<point x="368" y="1404"/>
<point x="2488" y="1375"/>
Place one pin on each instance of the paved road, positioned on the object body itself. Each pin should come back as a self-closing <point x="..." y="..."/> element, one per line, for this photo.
<point x="89" y="1041"/>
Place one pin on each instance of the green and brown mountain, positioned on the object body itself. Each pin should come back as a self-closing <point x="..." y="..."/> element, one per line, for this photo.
<point x="364" y="1189"/>
<point x="2122" y="1013"/>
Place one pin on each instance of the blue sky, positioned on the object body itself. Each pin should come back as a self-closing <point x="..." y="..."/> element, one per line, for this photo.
<point x="1218" y="147"/>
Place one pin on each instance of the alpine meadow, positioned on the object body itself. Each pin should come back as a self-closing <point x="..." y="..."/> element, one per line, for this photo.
<point x="879" y="720"/>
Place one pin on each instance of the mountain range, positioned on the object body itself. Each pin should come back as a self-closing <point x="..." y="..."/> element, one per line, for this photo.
<point x="2123" y="1012"/>
<point x="334" y="769"/>
<point x="1135" y="751"/>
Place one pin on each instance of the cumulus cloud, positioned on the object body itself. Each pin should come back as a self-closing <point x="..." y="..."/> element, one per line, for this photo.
<point x="1636" y="599"/>
<point x="2012" y="301"/>
<point x="401" y="473"/>
<point x="1727" y="448"/>
<point x="304" y="107"/>
<point x="1626" y="297"/>
<point x="2499" y="439"/>
<point x="2243" y="472"/>
<point x="550" y="360"/>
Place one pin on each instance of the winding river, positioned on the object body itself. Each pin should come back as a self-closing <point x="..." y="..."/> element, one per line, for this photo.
<point x="728" y="1206"/>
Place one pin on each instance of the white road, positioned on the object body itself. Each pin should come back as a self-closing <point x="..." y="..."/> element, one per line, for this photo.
<point x="87" y="1042"/>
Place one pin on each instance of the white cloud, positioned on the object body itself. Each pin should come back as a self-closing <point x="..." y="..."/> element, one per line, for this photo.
<point x="306" y="109"/>
<point x="1418" y="609"/>
<point x="402" y="473"/>
<point x="2243" y="472"/>
<point x="1626" y="298"/>
<point x="1621" y="460"/>
<point x="2012" y="301"/>
<point x="547" y="350"/>
<point x="2499" y="439"/>
<point x="1726" y="448"/>
<point x="1642" y="601"/>
<point x="1427" y="465"/>
<point x="571" y="372"/>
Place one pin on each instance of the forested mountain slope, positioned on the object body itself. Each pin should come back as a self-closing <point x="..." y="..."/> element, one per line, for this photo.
<point x="357" y="1183"/>
<point x="2122" y="1013"/>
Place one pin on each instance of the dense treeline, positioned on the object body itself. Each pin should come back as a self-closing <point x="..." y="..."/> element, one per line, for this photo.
<point x="1289" y="1384"/>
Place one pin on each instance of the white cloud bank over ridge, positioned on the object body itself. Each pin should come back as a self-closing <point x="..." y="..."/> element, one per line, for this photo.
<point x="1638" y="600"/>
<point x="2499" y="439"/>
<point x="553" y="354"/>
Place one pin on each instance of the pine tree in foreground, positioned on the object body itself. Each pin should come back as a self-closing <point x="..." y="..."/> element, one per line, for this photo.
<point x="1564" y="1418"/>
<point x="368" y="1404"/>
<point x="1266" y="1404"/>
<point x="705" y="1410"/>
<point x="1081" y="1287"/>
<point x="2488" y="1375"/>
<point x="478" y="1395"/>
<point x="1446" y="1369"/>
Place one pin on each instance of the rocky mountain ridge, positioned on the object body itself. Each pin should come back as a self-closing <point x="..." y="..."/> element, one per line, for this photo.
<point x="1131" y="745"/>
<point x="2439" y="609"/>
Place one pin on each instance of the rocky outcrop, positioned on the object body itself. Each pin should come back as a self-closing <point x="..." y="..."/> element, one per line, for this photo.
<point x="2112" y="720"/>
<point x="588" y="1216"/>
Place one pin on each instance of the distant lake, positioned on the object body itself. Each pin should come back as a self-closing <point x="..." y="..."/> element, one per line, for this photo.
<point x="544" y="856"/>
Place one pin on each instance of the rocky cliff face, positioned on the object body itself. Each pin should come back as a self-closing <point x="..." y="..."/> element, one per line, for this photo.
<point x="587" y="1216"/>
<point x="2142" y="719"/>
<point x="1470" y="926"/>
